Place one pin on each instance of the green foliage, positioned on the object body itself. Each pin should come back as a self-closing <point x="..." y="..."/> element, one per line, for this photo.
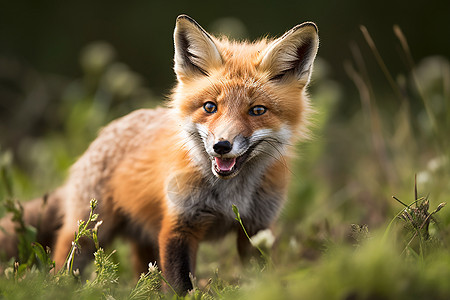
<point x="148" y="285"/>
<point x="106" y="271"/>
<point x="372" y="271"/>
<point x="384" y="265"/>
<point x="83" y="231"/>
<point x="31" y="255"/>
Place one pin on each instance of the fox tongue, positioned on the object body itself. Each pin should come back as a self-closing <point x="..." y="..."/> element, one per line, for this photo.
<point x="225" y="165"/>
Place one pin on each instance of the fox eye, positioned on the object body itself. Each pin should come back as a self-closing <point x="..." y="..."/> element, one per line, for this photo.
<point x="257" y="110"/>
<point x="210" y="107"/>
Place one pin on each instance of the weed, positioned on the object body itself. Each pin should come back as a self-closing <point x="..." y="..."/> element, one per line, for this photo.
<point x="266" y="258"/>
<point x="148" y="285"/>
<point x="83" y="231"/>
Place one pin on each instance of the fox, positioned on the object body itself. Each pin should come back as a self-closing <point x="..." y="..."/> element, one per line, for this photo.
<point x="166" y="178"/>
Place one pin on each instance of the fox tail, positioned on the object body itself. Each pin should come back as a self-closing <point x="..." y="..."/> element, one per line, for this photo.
<point x="43" y="213"/>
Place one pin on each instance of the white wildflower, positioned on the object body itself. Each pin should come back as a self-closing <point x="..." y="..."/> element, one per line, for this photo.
<point x="97" y="225"/>
<point x="152" y="267"/>
<point x="264" y="238"/>
<point x="437" y="163"/>
<point x="423" y="178"/>
<point x="293" y="244"/>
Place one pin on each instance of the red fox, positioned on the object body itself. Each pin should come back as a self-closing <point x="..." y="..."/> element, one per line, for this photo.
<point x="167" y="178"/>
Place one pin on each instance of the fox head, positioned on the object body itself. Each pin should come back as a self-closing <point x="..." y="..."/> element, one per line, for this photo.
<point x="241" y="104"/>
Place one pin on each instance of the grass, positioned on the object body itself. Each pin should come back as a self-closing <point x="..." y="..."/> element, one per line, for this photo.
<point x="341" y="235"/>
<point x="373" y="266"/>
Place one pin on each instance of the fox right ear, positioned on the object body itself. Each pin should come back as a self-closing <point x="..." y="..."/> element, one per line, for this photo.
<point x="195" y="51"/>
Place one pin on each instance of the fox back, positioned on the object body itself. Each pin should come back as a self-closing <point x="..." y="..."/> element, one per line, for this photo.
<point x="167" y="178"/>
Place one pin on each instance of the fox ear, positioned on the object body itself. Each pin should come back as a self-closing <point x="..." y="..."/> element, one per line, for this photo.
<point x="195" y="51"/>
<point x="292" y="54"/>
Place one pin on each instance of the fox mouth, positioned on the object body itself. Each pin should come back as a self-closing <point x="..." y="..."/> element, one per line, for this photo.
<point x="228" y="167"/>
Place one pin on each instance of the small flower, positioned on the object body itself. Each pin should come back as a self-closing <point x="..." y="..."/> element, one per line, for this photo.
<point x="16" y="265"/>
<point x="94" y="217"/>
<point x="93" y="203"/>
<point x="293" y="244"/>
<point x="437" y="163"/>
<point x="9" y="272"/>
<point x="152" y="267"/>
<point x="264" y="238"/>
<point x="97" y="225"/>
<point x="423" y="177"/>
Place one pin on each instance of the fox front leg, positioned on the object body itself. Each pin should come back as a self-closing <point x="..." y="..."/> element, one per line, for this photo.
<point x="178" y="251"/>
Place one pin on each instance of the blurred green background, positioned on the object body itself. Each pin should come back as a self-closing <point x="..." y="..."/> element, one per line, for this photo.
<point x="69" y="67"/>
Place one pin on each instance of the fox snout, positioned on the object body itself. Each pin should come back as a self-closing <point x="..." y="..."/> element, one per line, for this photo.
<point x="222" y="147"/>
<point x="226" y="155"/>
<point x="231" y="146"/>
<point x="229" y="156"/>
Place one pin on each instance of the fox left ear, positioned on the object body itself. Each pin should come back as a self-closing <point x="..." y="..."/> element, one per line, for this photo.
<point x="195" y="51"/>
<point x="292" y="54"/>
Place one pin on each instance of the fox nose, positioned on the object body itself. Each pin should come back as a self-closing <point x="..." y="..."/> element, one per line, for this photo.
<point x="222" y="147"/>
